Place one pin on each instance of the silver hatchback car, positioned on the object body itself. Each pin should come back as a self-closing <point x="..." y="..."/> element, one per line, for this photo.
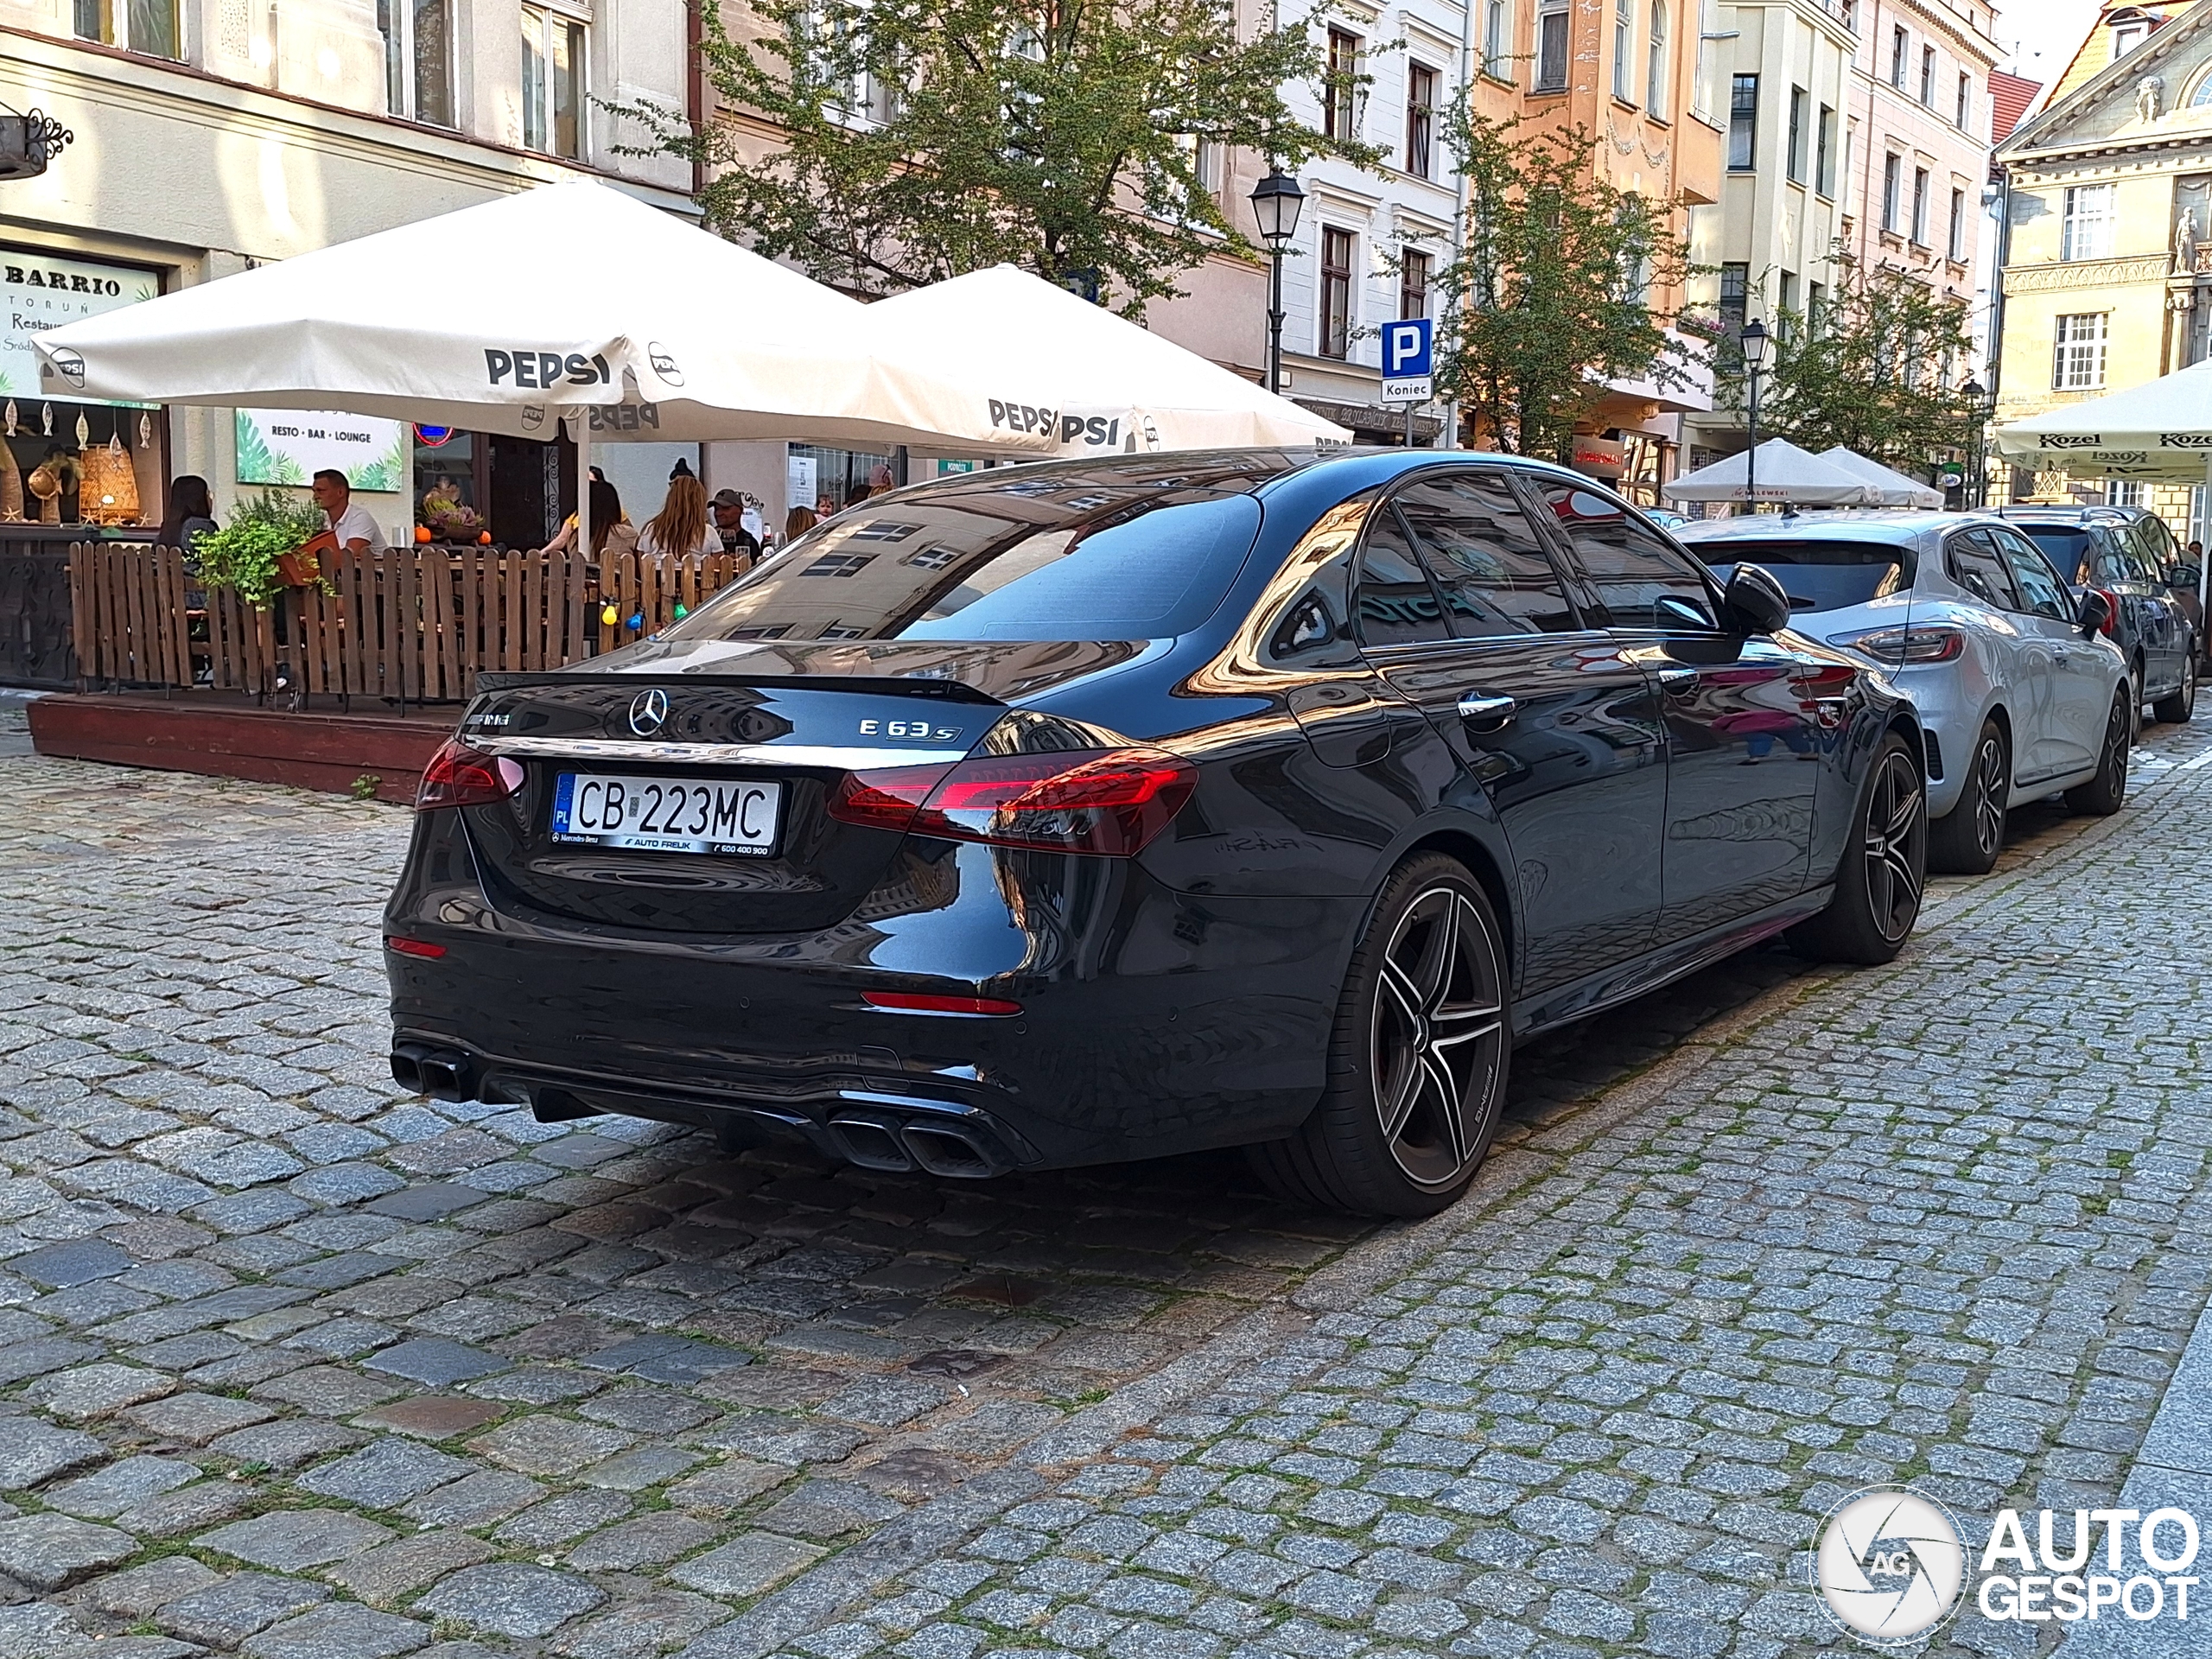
<point x="2019" y="695"/>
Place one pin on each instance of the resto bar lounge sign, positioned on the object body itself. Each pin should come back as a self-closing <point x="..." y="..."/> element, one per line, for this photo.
<point x="40" y="290"/>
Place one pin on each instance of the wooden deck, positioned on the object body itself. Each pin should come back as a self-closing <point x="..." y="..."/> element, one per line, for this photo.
<point x="224" y="734"/>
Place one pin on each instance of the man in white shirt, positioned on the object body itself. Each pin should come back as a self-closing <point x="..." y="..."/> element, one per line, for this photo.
<point x="356" y="531"/>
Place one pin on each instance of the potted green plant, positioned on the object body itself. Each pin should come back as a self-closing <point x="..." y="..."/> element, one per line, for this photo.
<point x="257" y="555"/>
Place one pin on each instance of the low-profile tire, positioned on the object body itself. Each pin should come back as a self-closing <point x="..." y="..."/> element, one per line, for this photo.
<point x="1418" y="1058"/>
<point x="2176" y="708"/>
<point x="2103" y="795"/>
<point x="1967" y="840"/>
<point x="1884" y="868"/>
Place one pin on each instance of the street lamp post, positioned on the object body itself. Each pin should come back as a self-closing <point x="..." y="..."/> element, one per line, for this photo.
<point x="1751" y="340"/>
<point x="1276" y="200"/>
<point x="1977" y="493"/>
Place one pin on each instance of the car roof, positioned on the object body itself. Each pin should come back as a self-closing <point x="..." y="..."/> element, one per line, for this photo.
<point x="2094" y="513"/>
<point x="1891" y="525"/>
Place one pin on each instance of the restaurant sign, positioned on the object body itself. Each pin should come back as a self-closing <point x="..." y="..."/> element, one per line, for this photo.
<point x="290" y="446"/>
<point x="40" y="290"/>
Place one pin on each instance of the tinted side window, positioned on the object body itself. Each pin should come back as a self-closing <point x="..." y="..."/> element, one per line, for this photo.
<point x="2154" y="545"/>
<point x="1396" y="605"/>
<point x="1976" y="567"/>
<point x="1494" y="576"/>
<point x="1630" y="565"/>
<point x="2037" y="583"/>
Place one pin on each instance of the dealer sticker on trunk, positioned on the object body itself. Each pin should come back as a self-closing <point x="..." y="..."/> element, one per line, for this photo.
<point x="667" y="814"/>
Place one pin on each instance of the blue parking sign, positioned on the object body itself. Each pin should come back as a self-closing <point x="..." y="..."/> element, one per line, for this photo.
<point x="1406" y="348"/>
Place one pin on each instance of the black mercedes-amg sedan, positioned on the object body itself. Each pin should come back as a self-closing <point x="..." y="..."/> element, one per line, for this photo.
<point x="1097" y="811"/>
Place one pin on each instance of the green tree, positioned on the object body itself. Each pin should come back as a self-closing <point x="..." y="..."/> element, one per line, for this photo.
<point x="1551" y="298"/>
<point x="922" y="139"/>
<point x="1876" y="371"/>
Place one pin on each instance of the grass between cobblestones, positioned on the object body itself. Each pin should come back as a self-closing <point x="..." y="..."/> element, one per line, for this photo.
<point x="301" y="1366"/>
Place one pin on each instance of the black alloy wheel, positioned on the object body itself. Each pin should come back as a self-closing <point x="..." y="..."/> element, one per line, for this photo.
<point x="1419" y="1059"/>
<point x="1967" y="840"/>
<point x="2176" y="708"/>
<point x="1885" y="867"/>
<point x="2104" y="794"/>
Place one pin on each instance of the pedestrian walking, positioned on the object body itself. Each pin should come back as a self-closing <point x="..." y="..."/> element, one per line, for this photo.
<point x="680" y="524"/>
<point x="190" y="512"/>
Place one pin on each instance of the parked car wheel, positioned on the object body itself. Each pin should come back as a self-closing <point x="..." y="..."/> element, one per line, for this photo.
<point x="1878" y="885"/>
<point x="2103" y="794"/>
<point x="2135" y="685"/>
<point x="2176" y="710"/>
<point x="1419" y="1059"/>
<point x="1966" y="840"/>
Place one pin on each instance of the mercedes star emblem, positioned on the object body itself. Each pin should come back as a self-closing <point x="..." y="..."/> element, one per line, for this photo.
<point x="648" y="712"/>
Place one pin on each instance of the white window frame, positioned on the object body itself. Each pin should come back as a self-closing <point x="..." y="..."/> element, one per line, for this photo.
<point x="1497" y="39"/>
<point x="2078" y="343"/>
<point x="2087" y="224"/>
<point x="1654" y="72"/>
<point x="1546" y="12"/>
<point x="400" y="88"/>
<point x="554" y="16"/>
<point x="1624" y="50"/>
<point x="110" y="25"/>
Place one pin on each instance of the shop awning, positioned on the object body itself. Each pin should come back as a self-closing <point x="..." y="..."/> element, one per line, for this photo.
<point x="1086" y="381"/>
<point x="570" y="301"/>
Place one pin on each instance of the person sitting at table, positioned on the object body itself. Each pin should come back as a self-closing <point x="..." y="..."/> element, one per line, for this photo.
<point x="729" y="527"/>
<point x="680" y="524"/>
<point x="797" y="522"/>
<point x="191" y="512"/>
<point x="356" y="531"/>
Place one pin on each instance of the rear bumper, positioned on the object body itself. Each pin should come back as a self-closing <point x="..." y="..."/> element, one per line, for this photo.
<point x="1152" y="1021"/>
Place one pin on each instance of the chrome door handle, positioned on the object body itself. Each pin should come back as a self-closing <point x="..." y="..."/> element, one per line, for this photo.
<point x="1486" y="714"/>
<point x="1678" y="680"/>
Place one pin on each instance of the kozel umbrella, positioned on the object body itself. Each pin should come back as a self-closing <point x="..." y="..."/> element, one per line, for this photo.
<point x="1896" y="490"/>
<point x="1086" y="381"/>
<point x="1785" y="474"/>
<point x="2160" y="430"/>
<point x="485" y="318"/>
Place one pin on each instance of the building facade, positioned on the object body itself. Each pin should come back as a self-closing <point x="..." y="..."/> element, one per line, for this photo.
<point x="210" y="138"/>
<point x="1767" y="248"/>
<point x="2108" y="279"/>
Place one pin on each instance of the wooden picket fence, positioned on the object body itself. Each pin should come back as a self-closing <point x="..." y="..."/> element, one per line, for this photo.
<point x="416" y="625"/>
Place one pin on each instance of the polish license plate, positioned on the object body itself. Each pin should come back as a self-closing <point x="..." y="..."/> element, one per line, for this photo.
<point x="667" y="814"/>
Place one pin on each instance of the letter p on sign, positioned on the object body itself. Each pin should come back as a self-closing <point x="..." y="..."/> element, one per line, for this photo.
<point x="1406" y="348"/>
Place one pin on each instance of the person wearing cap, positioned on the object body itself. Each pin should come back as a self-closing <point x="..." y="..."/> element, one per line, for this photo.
<point x="729" y="524"/>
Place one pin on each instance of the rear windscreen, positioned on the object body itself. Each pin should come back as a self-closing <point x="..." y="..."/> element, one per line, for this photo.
<point x="1827" y="575"/>
<point x="1110" y="554"/>
<point x="2072" y="550"/>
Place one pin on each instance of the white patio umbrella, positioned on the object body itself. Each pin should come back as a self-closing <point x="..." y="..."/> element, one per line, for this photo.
<point x="1897" y="489"/>
<point x="1085" y="380"/>
<point x="485" y="318"/>
<point x="2161" y="430"/>
<point x="1786" y="472"/>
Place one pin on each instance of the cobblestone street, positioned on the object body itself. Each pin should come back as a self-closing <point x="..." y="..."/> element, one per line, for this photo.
<point x="304" y="1368"/>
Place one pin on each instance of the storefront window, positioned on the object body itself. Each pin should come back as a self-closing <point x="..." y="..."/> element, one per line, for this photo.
<point x="417" y="58"/>
<point x="833" y="475"/>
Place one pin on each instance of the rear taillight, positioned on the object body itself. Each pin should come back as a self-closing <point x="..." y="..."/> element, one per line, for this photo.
<point x="407" y="947"/>
<point x="1106" y="801"/>
<point x="2111" y="612"/>
<point x="460" y="776"/>
<point x="1903" y="645"/>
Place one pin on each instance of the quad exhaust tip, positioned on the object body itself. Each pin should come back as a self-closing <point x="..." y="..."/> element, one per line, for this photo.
<point x="441" y="1074"/>
<point x="942" y="1149"/>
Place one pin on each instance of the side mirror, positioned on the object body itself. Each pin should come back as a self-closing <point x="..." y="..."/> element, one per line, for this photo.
<point x="2095" y="614"/>
<point x="2182" y="575"/>
<point x="1754" y="602"/>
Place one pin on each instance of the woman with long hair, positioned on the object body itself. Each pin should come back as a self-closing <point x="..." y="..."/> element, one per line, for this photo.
<point x="680" y="524"/>
<point x="797" y="523"/>
<point x="609" y="530"/>
<point x="191" y="510"/>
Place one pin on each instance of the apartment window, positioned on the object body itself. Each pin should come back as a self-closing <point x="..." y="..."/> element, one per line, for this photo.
<point x="1928" y="76"/>
<point x="1735" y="298"/>
<point x="1787" y="322"/>
<point x="2126" y="38"/>
<point x="552" y="83"/>
<point x="2085" y="229"/>
<point x="1553" y="23"/>
<point x="1824" y="152"/>
<point x="1742" y="122"/>
<point x="1920" y="206"/>
<point x="1796" y="157"/>
<point x="1415" y="272"/>
<point x="1900" y="48"/>
<point x="2079" y="362"/>
<point x="147" y="26"/>
<point x="1343" y="81"/>
<point x="1655" y="69"/>
<point x="417" y="59"/>
<point x="1816" y="301"/>
<point x="1966" y="102"/>
<point x="1956" y="244"/>
<point x="1623" y="47"/>
<point x="1421" y="118"/>
<point x="1892" y="182"/>
<point x="2125" y="493"/>
<point x="1336" y="291"/>
<point x="1497" y="39"/>
<point x="1850" y="15"/>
